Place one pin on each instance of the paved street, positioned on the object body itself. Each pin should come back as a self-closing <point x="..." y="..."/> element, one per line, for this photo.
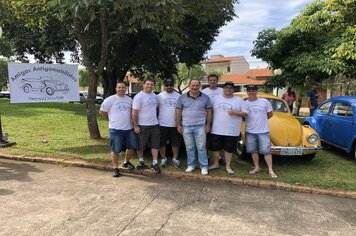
<point x="45" y="199"/>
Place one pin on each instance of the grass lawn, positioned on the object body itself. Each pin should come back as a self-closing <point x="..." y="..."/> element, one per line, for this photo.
<point x="60" y="130"/>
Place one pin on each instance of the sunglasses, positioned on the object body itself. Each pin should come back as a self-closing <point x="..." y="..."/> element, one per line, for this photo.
<point x="168" y="85"/>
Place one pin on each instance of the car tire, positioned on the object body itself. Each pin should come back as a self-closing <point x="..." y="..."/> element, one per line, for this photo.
<point x="308" y="157"/>
<point x="99" y="102"/>
<point x="49" y="91"/>
<point x="241" y="151"/>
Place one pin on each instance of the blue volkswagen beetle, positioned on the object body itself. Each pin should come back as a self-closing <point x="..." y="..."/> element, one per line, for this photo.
<point x="335" y="122"/>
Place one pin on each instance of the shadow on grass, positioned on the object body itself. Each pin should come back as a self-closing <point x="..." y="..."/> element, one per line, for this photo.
<point x="89" y="149"/>
<point x="35" y="109"/>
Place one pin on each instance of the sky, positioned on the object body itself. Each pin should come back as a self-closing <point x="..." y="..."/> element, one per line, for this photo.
<point x="236" y="37"/>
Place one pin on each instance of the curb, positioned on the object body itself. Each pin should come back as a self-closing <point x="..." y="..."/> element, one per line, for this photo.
<point x="267" y="184"/>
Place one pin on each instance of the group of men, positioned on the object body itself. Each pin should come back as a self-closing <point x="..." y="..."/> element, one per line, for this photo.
<point x="213" y="114"/>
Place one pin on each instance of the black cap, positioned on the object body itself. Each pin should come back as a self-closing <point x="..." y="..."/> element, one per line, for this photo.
<point x="229" y="83"/>
<point x="251" y="86"/>
<point x="168" y="82"/>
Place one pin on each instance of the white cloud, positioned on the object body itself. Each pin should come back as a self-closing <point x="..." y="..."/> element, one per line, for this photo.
<point x="236" y="38"/>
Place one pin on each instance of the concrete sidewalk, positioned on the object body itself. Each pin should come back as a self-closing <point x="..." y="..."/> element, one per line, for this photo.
<point x="44" y="199"/>
<point x="191" y="176"/>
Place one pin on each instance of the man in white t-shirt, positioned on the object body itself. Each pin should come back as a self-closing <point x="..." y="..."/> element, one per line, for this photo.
<point x="117" y="109"/>
<point x="228" y="111"/>
<point x="144" y="116"/>
<point x="257" y="129"/>
<point x="167" y="103"/>
<point x="212" y="91"/>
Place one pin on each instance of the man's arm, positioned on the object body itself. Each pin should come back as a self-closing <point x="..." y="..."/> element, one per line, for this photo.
<point x="104" y="114"/>
<point x="269" y="114"/>
<point x="134" y="115"/>
<point x="179" y="120"/>
<point x="208" y="120"/>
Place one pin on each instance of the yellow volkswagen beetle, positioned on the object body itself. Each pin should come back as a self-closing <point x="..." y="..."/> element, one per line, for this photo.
<point x="288" y="136"/>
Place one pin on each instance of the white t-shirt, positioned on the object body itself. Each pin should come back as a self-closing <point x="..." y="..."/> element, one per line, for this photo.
<point x="167" y="103"/>
<point x="223" y="123"/>
<point x="212" y="92"/>
<point x="257" y="120"/>
<point x="119" y="112"/>
<point x="146" y="104"/>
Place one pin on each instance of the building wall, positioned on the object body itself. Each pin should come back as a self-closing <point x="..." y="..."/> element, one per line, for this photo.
<point x="221" y="67"/>
<point x="239" y="66"/>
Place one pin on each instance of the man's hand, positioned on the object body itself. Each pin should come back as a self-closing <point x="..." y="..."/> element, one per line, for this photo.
<point x="207" y="129"/>
<point x="137" y="130"/>
<point x="180" y="129"/>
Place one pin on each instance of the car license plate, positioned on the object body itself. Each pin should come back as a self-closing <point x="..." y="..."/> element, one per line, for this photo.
<point x="292" y="151"/>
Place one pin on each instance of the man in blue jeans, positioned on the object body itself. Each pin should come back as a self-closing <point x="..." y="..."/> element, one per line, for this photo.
<point x="193" y="122"/>
<point x="313" y="98"/>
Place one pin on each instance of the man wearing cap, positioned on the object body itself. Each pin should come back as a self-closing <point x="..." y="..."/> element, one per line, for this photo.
<point x="193" y="122"/>
<point x="257" y="129"/>
<point x="144" y="116"/>
<point x="228" y="111"/>
<point x="117" y="109"/>
<point x="167" y="103"/>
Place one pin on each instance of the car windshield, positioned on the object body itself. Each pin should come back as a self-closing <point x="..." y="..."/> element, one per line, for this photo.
<point x="278" y="105"/>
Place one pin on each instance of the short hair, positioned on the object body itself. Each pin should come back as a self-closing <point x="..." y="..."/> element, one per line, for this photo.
<point x="213" y="76"/>
<point x="121" y="82"/>
<point x="190" y="81"/>
<point x="149" y="79"/>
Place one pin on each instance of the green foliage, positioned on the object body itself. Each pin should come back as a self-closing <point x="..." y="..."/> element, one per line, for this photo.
<point x="186" y="73"/>
<point x="318" y="44"/>
<point x="83" y="77"/>
<point x="3" y="73"/>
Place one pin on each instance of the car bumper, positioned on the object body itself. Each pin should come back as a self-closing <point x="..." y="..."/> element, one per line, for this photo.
<point x="294" y="151"/>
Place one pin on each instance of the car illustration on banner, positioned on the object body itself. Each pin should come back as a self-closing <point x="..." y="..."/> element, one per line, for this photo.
<point x="44" y="84"/>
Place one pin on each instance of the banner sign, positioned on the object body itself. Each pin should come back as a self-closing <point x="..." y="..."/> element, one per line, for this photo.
<point x="43" y="82"/>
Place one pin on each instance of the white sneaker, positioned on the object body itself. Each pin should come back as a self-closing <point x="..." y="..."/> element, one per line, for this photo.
<point x="190" y="169"/>
<point x="164" y="162"/>
<point x="204" y="171"/>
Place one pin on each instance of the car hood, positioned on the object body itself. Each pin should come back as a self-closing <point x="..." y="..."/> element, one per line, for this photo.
<point x="285" y="130"/>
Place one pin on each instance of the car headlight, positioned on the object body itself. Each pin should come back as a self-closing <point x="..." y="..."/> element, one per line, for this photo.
<point x="312" y="138"/>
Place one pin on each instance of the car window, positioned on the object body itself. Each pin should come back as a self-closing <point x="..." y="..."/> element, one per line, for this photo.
<point x="278" y="105"/>
<point x="342" y="109"/>
<point x="324" y="108"/>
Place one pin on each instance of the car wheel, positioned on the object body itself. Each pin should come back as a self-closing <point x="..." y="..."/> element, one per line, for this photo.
<point x="241" y="150"/>
<point x="26" y="88"/>
<point x="308" y="157"/>
<point x="49" y="91"/>
<point x="99" y="102"/>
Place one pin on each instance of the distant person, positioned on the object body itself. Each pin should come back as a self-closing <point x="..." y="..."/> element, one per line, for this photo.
<point x="313" y="98"/>
<point x="167" y="103"/>
<point x="228" y="111"/>
<point x="117" y="109"/>
<point x="144" y="116"/>
<point x="257" y="129"/>
<point x="193" y="122"/>
<point x="290" y="97"/>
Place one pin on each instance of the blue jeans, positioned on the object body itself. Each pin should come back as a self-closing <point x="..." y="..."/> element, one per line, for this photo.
<point x="195" y="136"/>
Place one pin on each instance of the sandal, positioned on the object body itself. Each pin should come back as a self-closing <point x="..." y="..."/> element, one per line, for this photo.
<point x="273" y="175"/>
<point x="254" y="171"/>
<point x="230" y="171"/>
<point x="213" y="167"/>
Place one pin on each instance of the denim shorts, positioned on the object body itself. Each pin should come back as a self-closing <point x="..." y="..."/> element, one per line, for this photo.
<point x="122" y="139"/>
<point x="260" y="143"/>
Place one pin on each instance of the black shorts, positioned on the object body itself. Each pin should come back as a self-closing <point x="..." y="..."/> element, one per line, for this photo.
<point x="219" y="142"/>
<point x="171" y="135"/>
<point x="149" y="137"/>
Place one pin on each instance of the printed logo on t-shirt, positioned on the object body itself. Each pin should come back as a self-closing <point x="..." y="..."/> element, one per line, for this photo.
<point x="170" y="102"/>
<point x="224" y="107"/>
<point x="123" y="106"/>
<point x="152" y="102"/>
